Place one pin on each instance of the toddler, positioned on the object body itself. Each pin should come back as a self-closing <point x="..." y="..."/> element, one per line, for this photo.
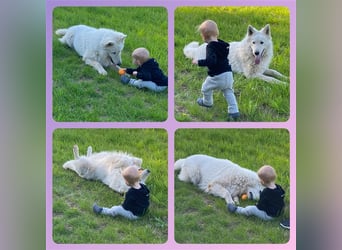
<point x="136" y="200"/>
<point x="271" y="202"/>
<point x="220" y="74"/>
<point x="148" y="73"/>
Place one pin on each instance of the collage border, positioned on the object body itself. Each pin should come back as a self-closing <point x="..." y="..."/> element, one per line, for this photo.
<point x="170" y="125"/>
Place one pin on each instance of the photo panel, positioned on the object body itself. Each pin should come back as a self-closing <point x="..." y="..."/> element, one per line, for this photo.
<point x="96" y="74"/>
<point x="258" y="39"/>
<point x="95" y="176"/>
<point x="218" y="167"/>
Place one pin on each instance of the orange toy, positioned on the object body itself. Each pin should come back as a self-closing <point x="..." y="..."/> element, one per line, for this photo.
<point x="244" y="197"/>
<point x="121" y="72"/>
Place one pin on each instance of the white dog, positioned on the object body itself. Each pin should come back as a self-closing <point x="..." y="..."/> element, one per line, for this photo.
<point x="98" y="47"/>
<point x="251" y="56"/>
<point x="219" y="177"/>
<point x="106" y="167"/>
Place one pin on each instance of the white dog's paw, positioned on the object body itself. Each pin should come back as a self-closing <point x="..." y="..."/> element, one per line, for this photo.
<point x="236" y="200"/>
<point x="279" y="81"/>
<point x="102" y="71"/>
<point x="75" y="150"/>
<point x="65" y="165"/>
<point x="89" y="151"/>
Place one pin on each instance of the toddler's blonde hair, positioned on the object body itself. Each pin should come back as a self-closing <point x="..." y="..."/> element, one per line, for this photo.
<point x="208" y="29"/>
<point x="141" y="54"/>
<point x="267" y="174"/>
<point x="131" y="175"/>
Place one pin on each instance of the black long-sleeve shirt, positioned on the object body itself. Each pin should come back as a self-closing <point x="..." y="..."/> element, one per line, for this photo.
<point x="272" y="201"/>
<point x="216" y="58"/>
<point x="137" y="200"/>
<point x="150" y="71"/>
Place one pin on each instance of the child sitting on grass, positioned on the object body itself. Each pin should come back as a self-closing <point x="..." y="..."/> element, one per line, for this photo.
<point x="271" y="202"/>
<point x="148" y="73"/>
<point x="136" y="200"/>
<point x="220" y="75"/>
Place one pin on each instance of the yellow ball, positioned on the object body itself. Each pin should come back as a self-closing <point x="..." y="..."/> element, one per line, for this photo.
<point x="244" y="197"/>
<point x="122" y="71"/>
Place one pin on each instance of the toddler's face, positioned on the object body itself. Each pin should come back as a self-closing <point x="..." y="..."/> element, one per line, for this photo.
<point x="203" y="37"/>
<point x="136" y="61"/>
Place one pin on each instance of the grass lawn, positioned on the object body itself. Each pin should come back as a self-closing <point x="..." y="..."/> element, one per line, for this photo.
<point x="80" y="93"/>
<point x="202" y="218"/>
<point x="73" y="197"/>
<point x="257" y="100"/>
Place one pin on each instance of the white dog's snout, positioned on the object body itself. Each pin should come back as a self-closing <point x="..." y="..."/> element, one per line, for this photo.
<point x="115" y="62"/>
<point x="142" y="170"/>
<point x="259" y="53"/>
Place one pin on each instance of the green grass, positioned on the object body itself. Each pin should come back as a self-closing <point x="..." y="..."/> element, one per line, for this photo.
<point x="202" y="218"/>
<point x="80" y="93"/>
<point x="257" y="100"/>
<point x="73" y="197"/>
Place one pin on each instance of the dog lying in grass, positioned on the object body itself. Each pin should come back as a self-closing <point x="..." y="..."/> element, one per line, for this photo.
<point x="219" y="177"/>
<point x="98" y="47"/>
<point x="106" y="167"/>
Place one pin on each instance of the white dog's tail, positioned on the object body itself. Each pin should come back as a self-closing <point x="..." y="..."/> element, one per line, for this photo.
<point x="179" y="164"/>
<point x="67" y="36"/>
<point x="195" y="51"/>
<point x="190" y="50"/>
<point x="61" y="32"/>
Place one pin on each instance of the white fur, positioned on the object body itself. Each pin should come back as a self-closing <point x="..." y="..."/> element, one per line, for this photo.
<point x="98" y="47"/>
<point x="219" y="177"/>
<point x="106" y="167"/>
<point x="251" y="56"/>
<point x="195" y="51"/>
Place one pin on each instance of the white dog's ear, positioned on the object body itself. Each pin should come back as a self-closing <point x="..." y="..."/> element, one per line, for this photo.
<point x="267" y="30"/>
<point x="108" y="44"/>
<point x="122" y="37"/>
<point x="250" y="30"/>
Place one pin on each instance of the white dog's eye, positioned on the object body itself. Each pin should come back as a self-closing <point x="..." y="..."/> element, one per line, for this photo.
<point x="253" y="42"/>
<point x="114" y="53"/>
<point x="261" y="42"/>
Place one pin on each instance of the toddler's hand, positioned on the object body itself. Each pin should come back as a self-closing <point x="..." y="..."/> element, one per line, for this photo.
<point x="195" y="61"/>
<point x="135" y="73"/>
